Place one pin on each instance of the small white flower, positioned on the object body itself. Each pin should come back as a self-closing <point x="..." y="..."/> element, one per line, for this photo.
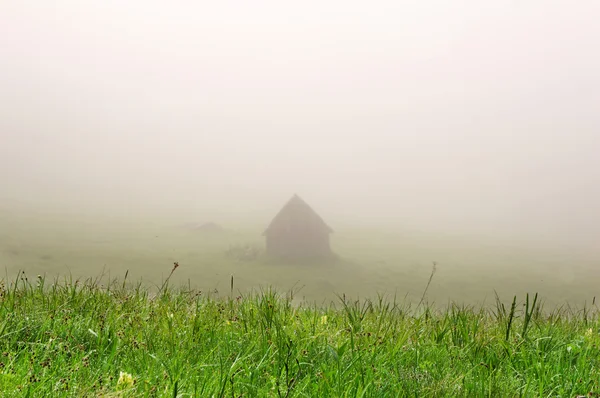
<point x="125" y="380"/>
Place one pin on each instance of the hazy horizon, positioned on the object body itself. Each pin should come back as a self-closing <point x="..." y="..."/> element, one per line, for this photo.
<point x="464" y="116"/>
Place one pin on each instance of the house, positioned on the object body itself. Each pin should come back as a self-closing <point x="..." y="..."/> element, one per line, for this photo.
<point x="297" y="231"/>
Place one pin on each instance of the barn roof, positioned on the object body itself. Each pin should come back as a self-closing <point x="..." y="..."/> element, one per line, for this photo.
<point x="297" y="212"/>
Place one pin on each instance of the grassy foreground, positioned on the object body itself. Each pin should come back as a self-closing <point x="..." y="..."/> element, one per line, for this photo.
<point x="71" y="338"/>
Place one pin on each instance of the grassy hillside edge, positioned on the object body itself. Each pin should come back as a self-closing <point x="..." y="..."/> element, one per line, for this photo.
<point x="80" y="338"/>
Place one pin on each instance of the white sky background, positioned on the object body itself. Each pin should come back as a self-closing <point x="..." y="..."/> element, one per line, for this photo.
<point x="457" y="115"/>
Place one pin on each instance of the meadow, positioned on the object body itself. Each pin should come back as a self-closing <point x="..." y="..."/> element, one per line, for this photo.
<point x="93" y="306"/>
<point x="371" y="261"/>
<point x="80" y="339"/>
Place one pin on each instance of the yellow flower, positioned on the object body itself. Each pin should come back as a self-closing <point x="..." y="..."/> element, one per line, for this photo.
<point x="589" y="332"/>
<point x="323" y="319"/>
<point x="125" y="380"/>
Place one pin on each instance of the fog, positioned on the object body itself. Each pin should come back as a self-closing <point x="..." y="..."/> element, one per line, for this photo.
<point x="469" y="117"/>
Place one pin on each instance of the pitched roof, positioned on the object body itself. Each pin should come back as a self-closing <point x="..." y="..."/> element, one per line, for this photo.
<point x="297" y="212"/>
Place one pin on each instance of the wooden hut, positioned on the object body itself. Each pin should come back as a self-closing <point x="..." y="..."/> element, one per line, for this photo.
<point x="297" y="231"/>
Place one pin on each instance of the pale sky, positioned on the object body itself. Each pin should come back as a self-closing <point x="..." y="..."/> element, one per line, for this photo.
<point x="459" y="115"/>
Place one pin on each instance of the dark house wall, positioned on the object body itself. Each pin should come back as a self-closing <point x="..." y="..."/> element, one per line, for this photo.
<point x="298" y="244"/>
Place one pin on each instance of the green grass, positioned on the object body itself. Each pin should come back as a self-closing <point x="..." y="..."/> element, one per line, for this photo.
<point x="74" y="338"/>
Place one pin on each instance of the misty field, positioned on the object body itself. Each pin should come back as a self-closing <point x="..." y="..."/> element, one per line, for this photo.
<point x="370" y="262"/>
<point x="101" y="306"/>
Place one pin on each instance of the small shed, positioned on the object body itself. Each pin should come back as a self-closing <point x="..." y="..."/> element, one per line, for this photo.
<point x="297" y="231"/>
